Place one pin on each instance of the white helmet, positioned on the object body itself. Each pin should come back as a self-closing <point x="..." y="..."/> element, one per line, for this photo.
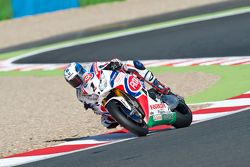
<point x="73" y="74"/>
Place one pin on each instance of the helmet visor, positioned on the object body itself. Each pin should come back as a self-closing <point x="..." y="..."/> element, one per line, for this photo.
<point x="75" y="82"/>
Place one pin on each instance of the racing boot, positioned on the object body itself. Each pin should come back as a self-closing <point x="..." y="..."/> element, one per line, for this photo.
<point x="108" y="121"/>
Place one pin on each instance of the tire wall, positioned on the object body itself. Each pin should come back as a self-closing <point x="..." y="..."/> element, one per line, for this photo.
<point x="20" y="8"/>
<point x="31" y="7"/>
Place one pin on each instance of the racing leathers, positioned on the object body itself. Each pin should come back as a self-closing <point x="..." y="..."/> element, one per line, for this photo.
<point x="131" y="66"/>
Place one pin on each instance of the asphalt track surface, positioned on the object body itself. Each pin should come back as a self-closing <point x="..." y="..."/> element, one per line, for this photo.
<point x="229" y="36"/>
<point x="220" y="142"/>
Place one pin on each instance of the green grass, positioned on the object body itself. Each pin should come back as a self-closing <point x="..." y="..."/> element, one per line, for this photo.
<point x="5" y="9"/>
<point x="32" y="73"/>
<point x="234" y="81"/>
<point x="8" y="55"/>
<point x="93" y="2"/>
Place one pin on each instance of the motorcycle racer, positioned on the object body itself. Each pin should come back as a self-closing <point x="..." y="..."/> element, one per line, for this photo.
<point x="76" y="75"/>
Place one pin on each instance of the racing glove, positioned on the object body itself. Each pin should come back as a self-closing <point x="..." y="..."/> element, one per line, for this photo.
<point x="160" y="88"/>
<point x="108" y="121"/>
<point x="115" y="64"/>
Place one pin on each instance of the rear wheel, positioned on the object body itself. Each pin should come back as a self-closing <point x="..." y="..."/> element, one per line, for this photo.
<point x="117" y="110"/>
<point x="184" y="115"/>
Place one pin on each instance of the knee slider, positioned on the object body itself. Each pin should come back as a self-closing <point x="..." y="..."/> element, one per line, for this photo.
<point x="138" y="65"/>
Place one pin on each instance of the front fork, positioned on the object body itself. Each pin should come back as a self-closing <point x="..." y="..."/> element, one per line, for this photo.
<point x="135" y="106"/>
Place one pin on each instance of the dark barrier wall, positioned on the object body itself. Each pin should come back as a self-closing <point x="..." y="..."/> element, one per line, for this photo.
<point x="5" y="9"/>
<point x="30" y="7"/>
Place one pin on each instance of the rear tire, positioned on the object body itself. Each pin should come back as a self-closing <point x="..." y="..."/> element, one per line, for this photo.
<point x="114" y="107"/>
<point x="184" y="116"/>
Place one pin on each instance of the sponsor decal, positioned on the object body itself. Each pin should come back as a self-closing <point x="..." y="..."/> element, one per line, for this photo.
<point x="132" y="86"/>
<point x="168" y="116"/>
<point x="157" y="117"/>
<point x="70" y="74"/>
<point x="113" y="76"/>
<point x="157" y="106"/>
<point x="67" y="73"/>
<point x="134" y="83"/>
<point x="88" y="77"/>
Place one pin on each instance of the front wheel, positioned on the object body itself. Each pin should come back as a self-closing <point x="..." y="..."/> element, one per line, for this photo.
<point x="116" y="109"/>
<point x="184" y="116"/>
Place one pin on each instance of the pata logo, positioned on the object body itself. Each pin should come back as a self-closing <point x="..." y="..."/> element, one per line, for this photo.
<point x="134" y="83"/>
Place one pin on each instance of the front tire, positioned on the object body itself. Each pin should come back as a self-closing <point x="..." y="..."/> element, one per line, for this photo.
<point x="114" y="107"/>
<point x="184" y="116"/>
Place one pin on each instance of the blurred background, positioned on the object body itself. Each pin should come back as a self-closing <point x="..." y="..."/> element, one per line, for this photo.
<point x="70" y="19"/>
<point x="16" y="8"/>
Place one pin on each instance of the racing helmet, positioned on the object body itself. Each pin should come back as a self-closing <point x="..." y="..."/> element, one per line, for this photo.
<point x="73" y="74"/>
